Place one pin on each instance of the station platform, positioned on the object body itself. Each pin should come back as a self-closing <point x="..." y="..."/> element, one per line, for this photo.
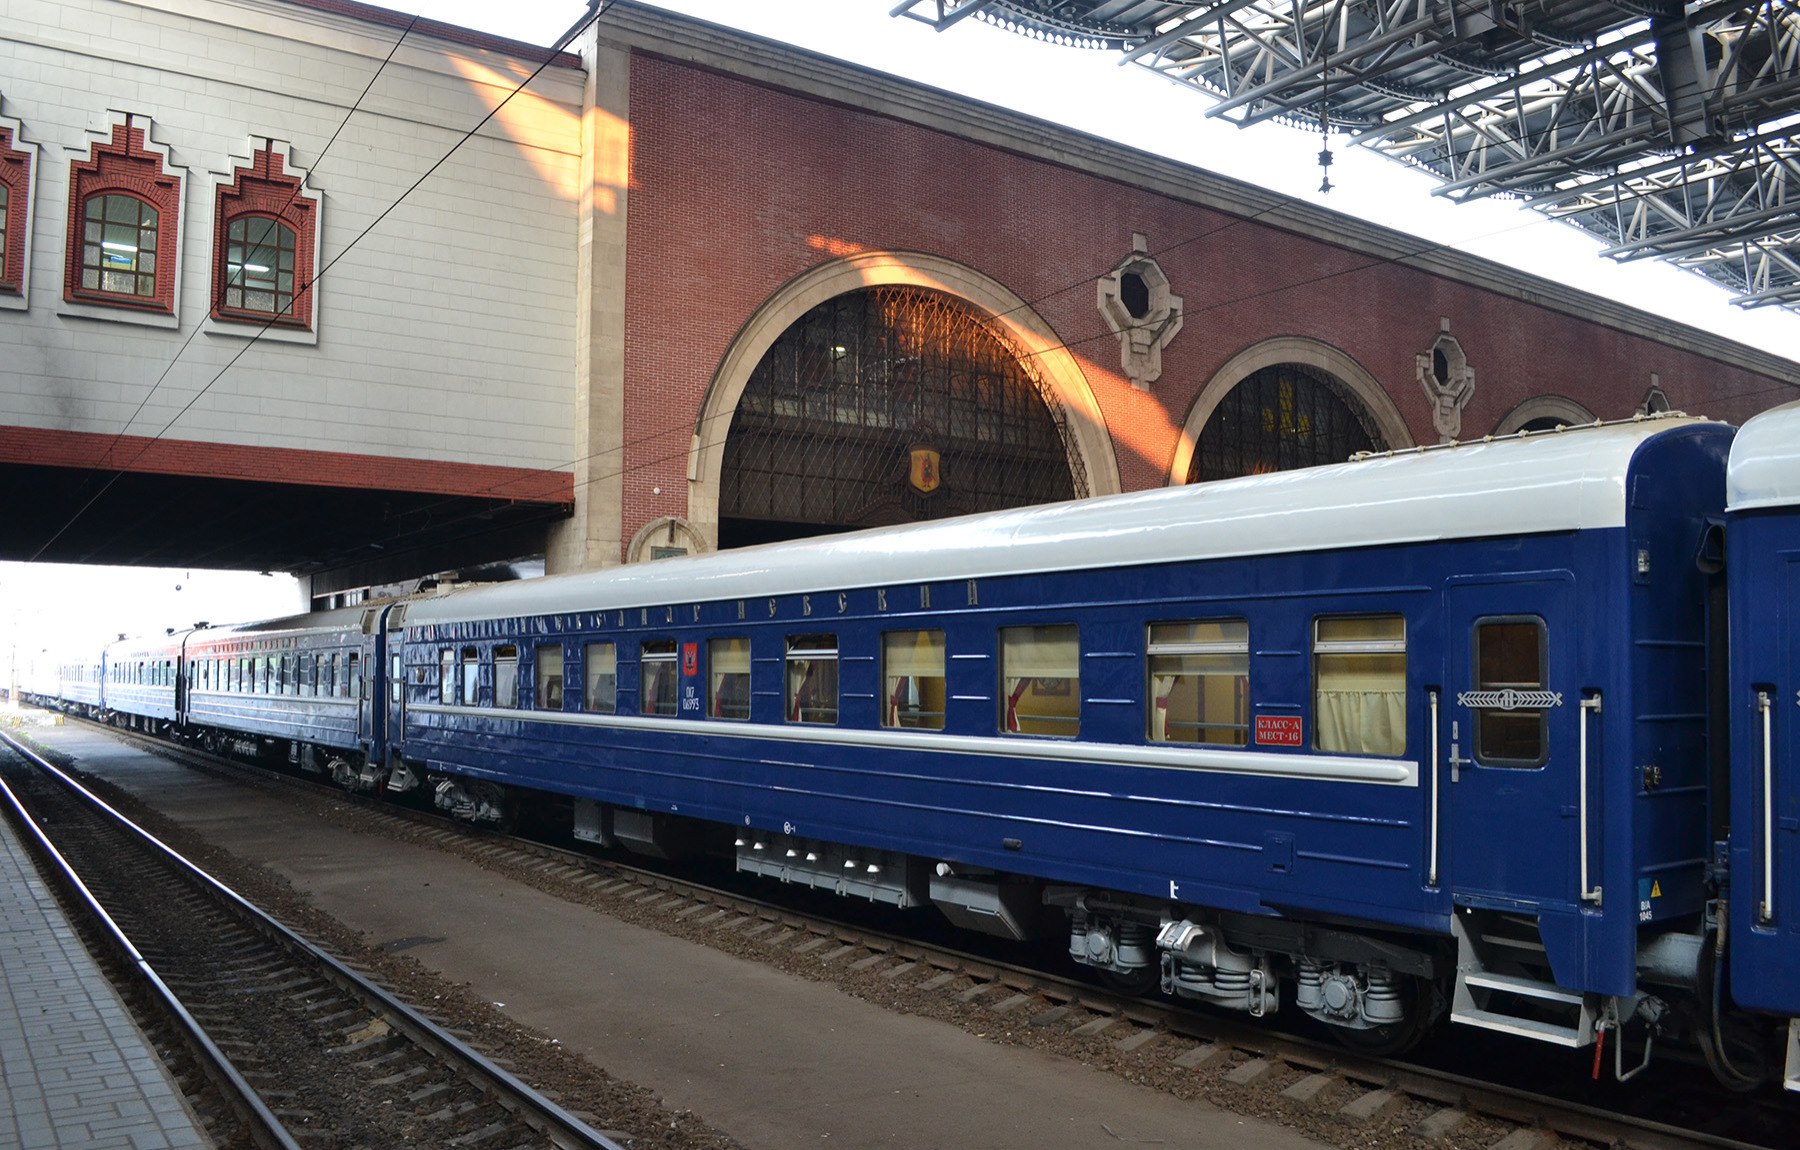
<point x="74" y="1068"/>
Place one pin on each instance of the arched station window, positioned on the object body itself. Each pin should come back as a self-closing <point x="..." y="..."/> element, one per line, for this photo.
<point x="889" y="405"/>
<point x="1281" y="417"/>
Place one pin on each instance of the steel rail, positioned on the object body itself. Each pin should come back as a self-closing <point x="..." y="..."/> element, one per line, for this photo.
<point x="528" y="1105"/>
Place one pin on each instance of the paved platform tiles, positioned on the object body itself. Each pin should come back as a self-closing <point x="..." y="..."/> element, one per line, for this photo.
<point x="75" y="1071"/>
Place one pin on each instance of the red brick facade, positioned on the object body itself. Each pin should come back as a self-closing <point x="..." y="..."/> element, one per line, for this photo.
<point x="124" y="166"/>
<point x="15" y="177"/>
<point x="737" y="187"/>
<point x="265" y="190"/>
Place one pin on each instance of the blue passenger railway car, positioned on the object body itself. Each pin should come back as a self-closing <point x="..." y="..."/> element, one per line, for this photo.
<point x="1444" y="733"/>
<point x="1763" y="572"/>
<point x="1367" y="738"/>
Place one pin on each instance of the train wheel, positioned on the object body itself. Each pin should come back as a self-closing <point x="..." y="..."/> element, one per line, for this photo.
<point x="1421" y="1004"/>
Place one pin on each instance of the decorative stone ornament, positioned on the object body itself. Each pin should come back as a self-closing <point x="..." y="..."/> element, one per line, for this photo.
<point x="1448" y="380"/>
<point x="1135" y="301"/>
<point x="1655" y="401"/>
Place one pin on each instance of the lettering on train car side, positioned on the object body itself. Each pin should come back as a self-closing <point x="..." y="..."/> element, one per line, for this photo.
<point x="643" y="616"/>
<point x="696" y="612"/>
<point x="806" y="604"/>
<point x="740" y="610"/>
<point x="843" y="602"/>
<point x="668" y="614"/>
<point x="1279" y="731"/>
<point x="881" y="598"/>
<point x="974" y="594"/>
<point x="771" y="608"/>
<point x="924" y="598"/>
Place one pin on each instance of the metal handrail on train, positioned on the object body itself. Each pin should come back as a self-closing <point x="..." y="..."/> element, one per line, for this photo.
<point x="1588" y="893"/>
<point x="1765" y="910"/>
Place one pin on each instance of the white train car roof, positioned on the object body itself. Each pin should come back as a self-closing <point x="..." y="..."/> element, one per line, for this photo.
<point x="1550" y="481"/>
<point x="336" y="619"/>
<point x="1765" y="461"/>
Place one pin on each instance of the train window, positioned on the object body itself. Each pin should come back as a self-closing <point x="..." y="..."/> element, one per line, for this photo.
<point x="728" y="676"/>
<point x="1200" y="682"/>
<point x="328" y="680"/>
<point x="285" y="681"/>
<point x="261" y="686"/>
<point x="471" y="676"/>
<point x="1041" y="675"/>
<point x="549" y="678"/>
<point x="506" y="676"/>
<point x="1510" y="657"/>
<point x="1359" y="684"/>
<point x="812" y="679"/>
<point x="656" y="677"/>
<point x="601" y="684"/>
<point x="912" y="669"/>
<point x="337" y="681"/>
<point x="447" y="675"/>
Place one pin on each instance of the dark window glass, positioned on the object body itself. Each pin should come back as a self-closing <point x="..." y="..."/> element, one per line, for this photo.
<point x="1279" y="418"/>
<point x="1511" y="731"/>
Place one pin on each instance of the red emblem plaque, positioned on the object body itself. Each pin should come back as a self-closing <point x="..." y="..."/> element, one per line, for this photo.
<point x="1279" y="731"/>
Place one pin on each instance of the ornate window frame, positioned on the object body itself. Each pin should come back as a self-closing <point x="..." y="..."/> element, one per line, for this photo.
<point x="18" y="175"/>
<point x="1558" y="407"/>
<point x="125" y="161"/>
<point x="264" y="184"/>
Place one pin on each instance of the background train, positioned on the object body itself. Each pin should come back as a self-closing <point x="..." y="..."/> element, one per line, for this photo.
<point x="1502" y="732"/>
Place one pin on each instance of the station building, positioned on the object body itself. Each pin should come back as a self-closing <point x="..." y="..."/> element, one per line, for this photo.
<point x="262" y="304"/>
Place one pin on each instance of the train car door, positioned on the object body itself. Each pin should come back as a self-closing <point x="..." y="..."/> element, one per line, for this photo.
<point x="1508" y="742"/>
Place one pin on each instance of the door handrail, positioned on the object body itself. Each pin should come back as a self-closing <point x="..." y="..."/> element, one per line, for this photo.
<point x="1765" y="910"/>
<point x="1589" y="706"/>
<point x="1431" y="878"/>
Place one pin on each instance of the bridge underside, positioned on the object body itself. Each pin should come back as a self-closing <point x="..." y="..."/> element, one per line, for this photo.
<point x="342" y="537"/>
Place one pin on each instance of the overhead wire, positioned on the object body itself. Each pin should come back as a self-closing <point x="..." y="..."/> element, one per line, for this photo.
<point x="597" y="9"/>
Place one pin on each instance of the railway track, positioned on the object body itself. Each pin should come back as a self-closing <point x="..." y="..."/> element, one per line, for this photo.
<point x="1342" y="1097"/>
<point x="300" y="1049"/>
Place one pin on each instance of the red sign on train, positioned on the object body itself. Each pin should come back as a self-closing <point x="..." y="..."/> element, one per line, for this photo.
<point x="1278" y="730"/>
<point x="690" y="659"/>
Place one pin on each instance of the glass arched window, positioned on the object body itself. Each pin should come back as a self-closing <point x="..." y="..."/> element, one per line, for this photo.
<point x="1279" y="418"/>
<point x="118" y="246"/>
<point x="890" y="405"/>
<point x="259" y="266"/>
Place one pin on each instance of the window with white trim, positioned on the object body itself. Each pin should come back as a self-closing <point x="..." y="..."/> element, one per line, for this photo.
<point x="913" y="683"/>
<point x="812" y="679"/>
<point x="1359" y="684"/>
<point x="1200" y="682"/>
<point x="1040" y="680"/>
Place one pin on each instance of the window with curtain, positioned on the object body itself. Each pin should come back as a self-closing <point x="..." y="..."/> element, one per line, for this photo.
<point x="471" y="676"/>
<point x="912" y="668"/>
<point x="812" y="679"/>
<point x="1359" y="684"/>
<point x="1200" y="682"/>
<point x="657" y="674"/>
<point x="549" y="689"/>
<point x="600" y="669"/>
<point x="506" y="676"/>
<point x="1040" y="675"/>
<point x="728" y="678"/>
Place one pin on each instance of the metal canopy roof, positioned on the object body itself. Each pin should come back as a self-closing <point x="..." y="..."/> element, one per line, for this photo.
<point x="1667" y="129"/>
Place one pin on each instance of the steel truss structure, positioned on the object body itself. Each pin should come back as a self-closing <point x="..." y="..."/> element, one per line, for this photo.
<point x="1667" y="129"/>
